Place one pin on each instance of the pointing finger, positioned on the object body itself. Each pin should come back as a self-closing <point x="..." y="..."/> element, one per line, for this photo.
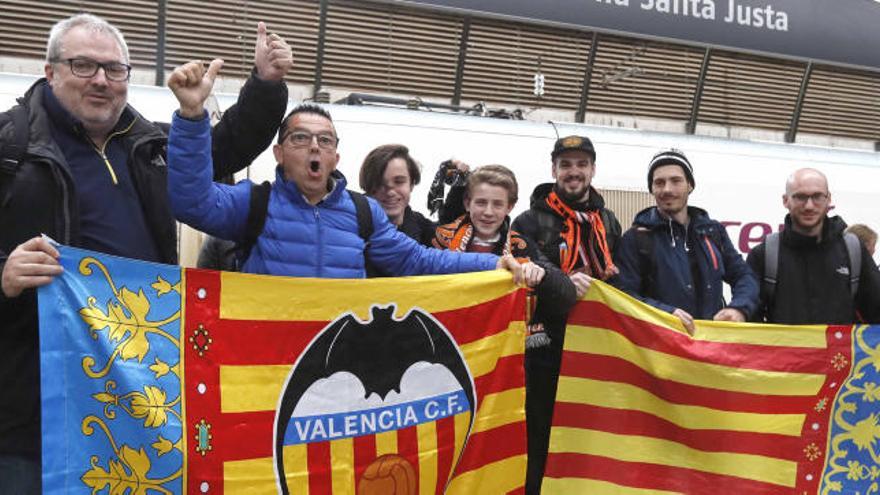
<point x="261" y="33"/>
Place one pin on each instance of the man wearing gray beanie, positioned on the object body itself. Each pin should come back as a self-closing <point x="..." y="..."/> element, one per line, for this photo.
<point x="676" y="258"/>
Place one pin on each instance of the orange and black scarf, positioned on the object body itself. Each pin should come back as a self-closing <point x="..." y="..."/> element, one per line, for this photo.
<point x="457" y="236"/>
<point x="593" y="252"/>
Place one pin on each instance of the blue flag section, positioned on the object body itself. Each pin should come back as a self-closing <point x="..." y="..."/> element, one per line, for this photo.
<point x="110" y="376"/>
<point x="853" y="452"/>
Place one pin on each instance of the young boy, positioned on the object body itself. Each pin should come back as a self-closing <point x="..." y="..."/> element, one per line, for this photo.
<point x="490" y="196"/>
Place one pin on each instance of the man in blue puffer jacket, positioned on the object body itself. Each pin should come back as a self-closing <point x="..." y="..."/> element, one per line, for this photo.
<point x="311" y="227"/>
<point x="676" y="258"/>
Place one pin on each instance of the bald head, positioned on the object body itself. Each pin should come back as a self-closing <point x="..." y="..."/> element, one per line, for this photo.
<point x="804" y="176"/>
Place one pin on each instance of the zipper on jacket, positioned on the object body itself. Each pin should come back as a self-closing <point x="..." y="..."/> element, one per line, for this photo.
<point x="62" y="175"/>
<point x="59" y="173"/>
<point x="320" y="245"/>
<point x="711" y="252"/>
<point x="103" y="155"/>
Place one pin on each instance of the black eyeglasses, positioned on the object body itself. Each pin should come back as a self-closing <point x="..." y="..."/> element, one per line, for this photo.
<point x="817" y="198"/>
<point x="304" y="138"/>
<point x="86" y="68"/>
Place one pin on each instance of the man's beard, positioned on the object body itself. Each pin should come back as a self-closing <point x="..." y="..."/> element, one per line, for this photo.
<point x="576" y="197"/>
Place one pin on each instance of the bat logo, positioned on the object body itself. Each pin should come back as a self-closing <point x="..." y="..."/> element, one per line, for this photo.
<point x="360" y="379"/>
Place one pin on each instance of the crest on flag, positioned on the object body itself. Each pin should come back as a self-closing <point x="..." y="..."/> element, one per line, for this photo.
<point x="358" y="379"/>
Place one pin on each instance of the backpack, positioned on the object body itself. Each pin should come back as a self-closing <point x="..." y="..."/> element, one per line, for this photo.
<point x="258" y="209"/>
<point x="771" y="264"/>
<point x="11" y="152"/>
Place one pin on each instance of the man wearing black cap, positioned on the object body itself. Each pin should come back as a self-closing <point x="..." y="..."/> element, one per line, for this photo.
<point x="569" y="223"/>
<point x="676" y="258"/>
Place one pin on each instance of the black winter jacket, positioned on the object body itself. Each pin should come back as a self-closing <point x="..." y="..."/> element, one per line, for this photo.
<point x="529" y="223"/>
<point x="813" y="282"/>
<point x="675" y="252"/>
<point x="417" y="227"/>
<point x="40" y="198"/>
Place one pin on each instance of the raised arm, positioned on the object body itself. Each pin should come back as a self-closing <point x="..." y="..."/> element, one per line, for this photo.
<point x="217" y="209"/>
<point x="248" y="126"/>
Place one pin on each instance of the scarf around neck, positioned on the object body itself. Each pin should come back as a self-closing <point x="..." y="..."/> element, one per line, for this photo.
<point x="592" y="252"/>
<point x="457" y="236"/>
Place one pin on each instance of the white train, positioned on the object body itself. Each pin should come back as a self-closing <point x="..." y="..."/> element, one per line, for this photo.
<point x="739" y="182"/>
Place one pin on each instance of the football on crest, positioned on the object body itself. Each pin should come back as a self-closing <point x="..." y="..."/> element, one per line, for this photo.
<point x="388" y="475"/>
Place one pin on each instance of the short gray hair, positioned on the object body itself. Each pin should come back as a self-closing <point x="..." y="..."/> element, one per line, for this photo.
<point x="88" y="21"/>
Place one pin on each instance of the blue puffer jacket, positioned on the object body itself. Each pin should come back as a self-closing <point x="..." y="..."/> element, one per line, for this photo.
<point x="671" y="285"/>
<point x="298" y="239"/>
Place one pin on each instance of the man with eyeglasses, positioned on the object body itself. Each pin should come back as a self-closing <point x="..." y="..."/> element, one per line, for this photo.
<point x="79" y="164"/>
<point x="815" y="280"/>
<point x="312" y="227"/>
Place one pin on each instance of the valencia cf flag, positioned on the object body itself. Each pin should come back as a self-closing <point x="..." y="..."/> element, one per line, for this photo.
<point x="157" y="379"/>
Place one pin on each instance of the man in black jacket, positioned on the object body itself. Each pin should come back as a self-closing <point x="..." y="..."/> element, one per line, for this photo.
<point x="569" y="224"/>
<point x="93" y="175"/>
<point x="814" y="282"/>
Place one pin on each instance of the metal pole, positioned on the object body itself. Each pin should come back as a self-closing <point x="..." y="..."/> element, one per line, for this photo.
<point x="799" y="105"/>
<point x="581" y="114"/>
<point x="462" y="57"/>
<point x="319" y="58"/>
<point x="161" y="21"/>
<point x="698" y="92"/>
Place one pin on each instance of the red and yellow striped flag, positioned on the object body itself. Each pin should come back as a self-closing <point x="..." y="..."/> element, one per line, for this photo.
<point x="643" y="408"/>
<point x="355" y="413"/>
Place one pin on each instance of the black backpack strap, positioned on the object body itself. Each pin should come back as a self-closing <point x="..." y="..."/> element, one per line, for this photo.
<point x="647" y="267"/>
<point x="256" y="220"/>
<point x="612" y="235"/>
<point x="854" y="251"/>
<point x="548" y="227"/>
<point x="364" y="217"/>
<point x="365" y="229"/>
<point x="771" y="266"/>
<point x="11" y="152"/>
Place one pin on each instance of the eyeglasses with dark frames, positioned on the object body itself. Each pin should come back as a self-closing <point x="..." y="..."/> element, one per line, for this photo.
<point x="86" y="68"/>
<point x="817" y="198"/>
<point x="304" y="138"/>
